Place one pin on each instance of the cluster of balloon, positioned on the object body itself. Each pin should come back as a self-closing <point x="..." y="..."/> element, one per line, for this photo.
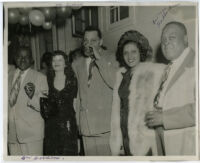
<point x="63" y="12"/>
<point x="13" y="16"/>
<point x="39" y="16"/>
<point x="36" y="17"/>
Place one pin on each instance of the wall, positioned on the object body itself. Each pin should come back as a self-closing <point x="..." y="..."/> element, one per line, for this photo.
<point x="63" y="39"/>
<point x="142" y="20"/>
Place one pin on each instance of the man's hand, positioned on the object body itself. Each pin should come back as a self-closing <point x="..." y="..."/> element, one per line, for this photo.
<point x="154" y="118"/>
<point x="96" y="52"/>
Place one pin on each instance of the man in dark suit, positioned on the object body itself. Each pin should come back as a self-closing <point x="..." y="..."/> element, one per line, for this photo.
<point x="25" y="124"/>
<point x="174" y="115"/>
<point x="95" y="71"/>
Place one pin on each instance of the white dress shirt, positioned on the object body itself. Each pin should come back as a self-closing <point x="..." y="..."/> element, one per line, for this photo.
<point x="88" y="61"/>
<point x="17" y="74"/>
<point x="174" y="67"/>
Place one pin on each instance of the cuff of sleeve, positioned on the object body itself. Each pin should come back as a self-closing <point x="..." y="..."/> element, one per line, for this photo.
<point x="166" y="122"/>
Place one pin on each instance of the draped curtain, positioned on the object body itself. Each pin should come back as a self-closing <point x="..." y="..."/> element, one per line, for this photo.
<point x="63" y="39"/>
<point x="40" y="43"/>
<point x="58" y="38"/>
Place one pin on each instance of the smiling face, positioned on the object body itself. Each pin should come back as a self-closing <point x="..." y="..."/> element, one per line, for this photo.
<point x="58" y="63"/>
<point x="91" y="39"/>
<point x="24" y="59"/>
<point x="131" y="54"/>
<point x="173" y="41"/>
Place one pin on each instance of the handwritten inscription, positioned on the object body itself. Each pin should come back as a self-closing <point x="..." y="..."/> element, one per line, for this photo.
<point x="31" y="158"/>
<point x="159" y="18"/>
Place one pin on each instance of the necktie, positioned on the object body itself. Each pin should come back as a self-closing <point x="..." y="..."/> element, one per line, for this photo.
<point x="159" y="129"/>
<point x="164" y="79"/>
<point x="92" y="64"/>
<point x="15" y="90"/>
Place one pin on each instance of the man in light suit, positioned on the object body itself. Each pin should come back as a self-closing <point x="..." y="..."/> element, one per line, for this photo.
<point x="95" y="71"/>
<point x="25" y="124"/>
<point x="174" y="115"/>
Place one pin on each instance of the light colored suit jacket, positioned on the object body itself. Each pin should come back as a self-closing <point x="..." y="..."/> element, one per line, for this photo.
<point x="23" y="120"/>
<point x="94" y="109"/>
<point x="179" y="110"/>
<point x="143" y="88"/>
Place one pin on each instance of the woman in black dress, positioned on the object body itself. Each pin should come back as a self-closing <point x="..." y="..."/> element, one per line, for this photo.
<point x="61" y="129"/>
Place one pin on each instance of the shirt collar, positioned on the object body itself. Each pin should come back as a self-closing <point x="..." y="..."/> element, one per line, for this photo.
<point x="182" y="56"/>
<point x="24" y="73"/>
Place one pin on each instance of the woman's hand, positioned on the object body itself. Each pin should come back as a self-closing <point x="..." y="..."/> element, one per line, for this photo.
<point x="154" y="118"/>
<point x="44" y="93"/>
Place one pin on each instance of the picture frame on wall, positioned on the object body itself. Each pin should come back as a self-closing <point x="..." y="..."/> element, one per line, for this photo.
<point x="87" y="16"/>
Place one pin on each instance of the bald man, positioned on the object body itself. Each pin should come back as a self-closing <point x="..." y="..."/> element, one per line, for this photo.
<point x="174" y="115"/>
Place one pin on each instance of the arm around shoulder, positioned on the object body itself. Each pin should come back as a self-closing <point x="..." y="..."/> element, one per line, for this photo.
<point x="40" y="86"/>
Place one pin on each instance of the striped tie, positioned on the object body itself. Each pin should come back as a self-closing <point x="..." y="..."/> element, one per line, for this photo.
<point x="92" y="64"/>
<point x="15" y="90"/>
<point x="159" y="129"/>
<point x="165" y="76"/>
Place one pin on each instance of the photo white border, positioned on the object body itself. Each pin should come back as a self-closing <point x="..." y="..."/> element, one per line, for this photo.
<point x="92" y="158"/>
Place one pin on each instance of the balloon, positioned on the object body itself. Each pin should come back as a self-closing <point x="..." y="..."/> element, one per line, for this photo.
<point x="64" y="11"/>
<point x="23" y="20"/>
<point x="25" y="10"/>
<point x="13" y="16"/>
<point x="76" y="7"/>
<point x="36" y="17"/>
<point x="47" y="25"/>
<point x="49" y="13"/>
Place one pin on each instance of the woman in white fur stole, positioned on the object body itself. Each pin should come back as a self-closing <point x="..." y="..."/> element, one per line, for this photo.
<point x="136" y="86"/>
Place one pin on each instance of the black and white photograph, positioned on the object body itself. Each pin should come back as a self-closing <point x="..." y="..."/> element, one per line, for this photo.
<point x="116" y="79"/>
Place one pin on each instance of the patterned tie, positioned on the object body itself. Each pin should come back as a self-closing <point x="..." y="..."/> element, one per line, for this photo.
<point x="92" y="64"/>
<point x="15" y="90"/>
<point x="159" y="129"/>
<point x="164" y="79"/>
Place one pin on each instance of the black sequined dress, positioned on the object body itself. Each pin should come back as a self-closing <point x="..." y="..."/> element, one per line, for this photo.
<point x="60" y="124"/>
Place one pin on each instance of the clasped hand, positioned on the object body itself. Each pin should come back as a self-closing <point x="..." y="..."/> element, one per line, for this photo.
<point x="154" y="118"/>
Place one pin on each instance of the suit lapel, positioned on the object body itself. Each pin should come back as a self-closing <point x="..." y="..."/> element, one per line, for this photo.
<point x="188" y="62"/>
<point x="28" y="77"/>
<point x="83" y="70"/>
<point x="10" y="80"/>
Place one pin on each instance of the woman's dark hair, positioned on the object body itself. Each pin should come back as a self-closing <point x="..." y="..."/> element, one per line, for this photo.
<point x="74" y="54"/>
<point x="139" y="40"/>
<point x="46" y="58"/>
<point x="68" y="69"/>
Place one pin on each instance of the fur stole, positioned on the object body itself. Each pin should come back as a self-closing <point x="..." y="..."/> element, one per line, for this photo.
<point x="143" y="88"/>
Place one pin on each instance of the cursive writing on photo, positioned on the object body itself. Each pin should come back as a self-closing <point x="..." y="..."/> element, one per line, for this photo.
<point x="159" y="18"/>
<point x="31" y="158"/>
